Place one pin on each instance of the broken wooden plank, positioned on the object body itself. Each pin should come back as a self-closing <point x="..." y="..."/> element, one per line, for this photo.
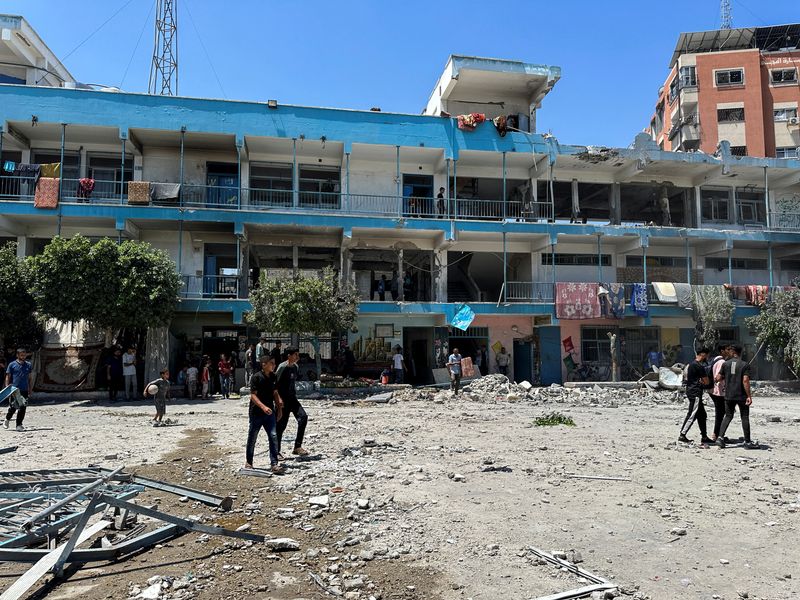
<point x="255" y="472"/>
<point x="579" y="592"/>
<point x="40" y="568"/>
<point x="567" y="565"/>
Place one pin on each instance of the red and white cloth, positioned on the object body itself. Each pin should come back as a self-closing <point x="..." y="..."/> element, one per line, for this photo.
<point x="577" y="301"/>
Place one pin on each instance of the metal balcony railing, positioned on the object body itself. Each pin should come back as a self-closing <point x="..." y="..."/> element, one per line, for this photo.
<point x="210" y="286"/>
<point x="104" y="192"/>
<point x="529" y="291"/>
<point x="785" y="220"/>
<point x="17" y="188"/>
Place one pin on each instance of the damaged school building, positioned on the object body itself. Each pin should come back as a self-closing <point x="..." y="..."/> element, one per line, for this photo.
<point x="235" y="189"/>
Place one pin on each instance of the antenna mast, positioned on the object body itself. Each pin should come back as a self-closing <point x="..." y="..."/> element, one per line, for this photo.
<point x="164" y="68"/>
<point x="726" y="18"/>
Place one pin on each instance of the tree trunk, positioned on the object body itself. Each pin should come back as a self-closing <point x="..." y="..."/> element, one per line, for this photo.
<point x="318" y="358"/>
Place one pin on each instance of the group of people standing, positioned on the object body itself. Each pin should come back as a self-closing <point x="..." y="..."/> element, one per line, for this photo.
<point x="727" y="380"/>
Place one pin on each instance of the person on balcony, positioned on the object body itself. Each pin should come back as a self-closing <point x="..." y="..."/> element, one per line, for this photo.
<point x="441" y="205"/>
<point x="382" y="288"/>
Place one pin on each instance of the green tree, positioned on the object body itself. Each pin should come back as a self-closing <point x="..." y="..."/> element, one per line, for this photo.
<point x="777" y="326"/>
<point x="317" y="306"/>
<point x="109" y="285"/>
<point x="17" y="305"/>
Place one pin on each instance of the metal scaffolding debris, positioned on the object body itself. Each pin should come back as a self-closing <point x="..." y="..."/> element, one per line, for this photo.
<point x="46" y="514"/>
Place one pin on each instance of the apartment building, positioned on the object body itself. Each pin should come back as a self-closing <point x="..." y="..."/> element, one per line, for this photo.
<point x="25" y="59"/>
<point x="238" y="189"/>
<point x="736" y="85"/>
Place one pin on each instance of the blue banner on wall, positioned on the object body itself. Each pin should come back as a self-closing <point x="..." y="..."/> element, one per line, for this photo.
<point x="463" y="318"/>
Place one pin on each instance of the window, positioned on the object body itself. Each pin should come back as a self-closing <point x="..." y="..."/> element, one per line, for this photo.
<point x="783" y="76"/>
<point x="730" y="115"/>
<point x="673" y="89"/>
<point x="595" y="345"/>
<point x="575" y="260"/>
<point x="787" y="152"/>
<point x="738" y="150"/>
<point x="784" y="114"/>
<point x="752" y="207"/>
<point x="657" y="261"/>
<point x="740" y="264"/>
<point x="271" y="176"/>
<point x="715" y="204"/>
<point x="729" y="77"/>
<point x="688" y="76"/>
<point x="790" y="265"/>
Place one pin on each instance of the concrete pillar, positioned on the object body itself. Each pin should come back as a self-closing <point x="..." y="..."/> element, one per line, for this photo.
<point x="84" y="168"/>
<point x="244" y="169"/>
<point x="22" y="246"/>
<point x="138" y="167"/>
<point x="244" y="269"/>
<point x="698" y="206"/>
<point x="576" y="201"/>
<point x="732" y="217"/>
<point x="400" y="290"/>
<point x="295" y="259"/>
<point x="440" y="275"/>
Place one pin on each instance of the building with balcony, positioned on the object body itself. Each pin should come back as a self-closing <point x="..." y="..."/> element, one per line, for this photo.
<point x="25" y="59"/>
<point x="423" y="213"/>
<point x="737" y="85"/>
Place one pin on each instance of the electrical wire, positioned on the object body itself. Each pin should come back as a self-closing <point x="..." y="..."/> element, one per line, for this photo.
<point x="136" y="47"/>
<point x="203" y="46"/>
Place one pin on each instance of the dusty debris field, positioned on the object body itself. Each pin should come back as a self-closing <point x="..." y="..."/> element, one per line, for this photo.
<point x="438" y="498"/>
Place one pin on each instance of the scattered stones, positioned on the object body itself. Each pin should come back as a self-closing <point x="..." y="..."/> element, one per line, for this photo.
<point x="321" y="501"/>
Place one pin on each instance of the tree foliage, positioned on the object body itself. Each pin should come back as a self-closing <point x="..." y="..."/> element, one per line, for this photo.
<point x="312" y="305"/>
<point x="17" y="306"/>
<point x="777" y="326"/>
<point x="109" y="285"/>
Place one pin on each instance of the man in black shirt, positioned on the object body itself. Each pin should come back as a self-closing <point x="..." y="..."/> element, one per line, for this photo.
<point x="736" y="375"/>
<point x="262" y="413"/>
<point x="277" y="353"/>
<point x="287" y="375"/>
<point x="696" y="381"/>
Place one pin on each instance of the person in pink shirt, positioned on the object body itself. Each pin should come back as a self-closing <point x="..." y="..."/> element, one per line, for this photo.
<point x="718" y="392"/>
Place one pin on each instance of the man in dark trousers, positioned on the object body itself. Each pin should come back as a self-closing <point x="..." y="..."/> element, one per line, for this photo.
<point x="18" y="374"/>
<point x="697" y="380"/>
<point x="262" y="413"/>
<point x="114" y="374"/>
<point x="287" y="375"/>
<point x="736" y="374"/>
<point x="717" y="393"/>
<point x="277" y="353"/>
<point x="482" y="360"/>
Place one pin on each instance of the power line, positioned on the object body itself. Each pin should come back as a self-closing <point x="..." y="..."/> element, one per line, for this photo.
<point x="88" y="37"/>
<point x="136" y="47"/>
<point x="203" y="46"/>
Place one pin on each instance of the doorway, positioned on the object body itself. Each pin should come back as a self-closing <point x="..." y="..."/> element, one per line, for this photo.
<point x="418" y="194"/>
<point x="222" y="180"/>
<point x="523" y="361"/>
<point x="417" y="342"/>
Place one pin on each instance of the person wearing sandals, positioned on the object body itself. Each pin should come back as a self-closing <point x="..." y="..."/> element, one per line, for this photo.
<point x="262" y="413"/>
<point x="286" y="395"/>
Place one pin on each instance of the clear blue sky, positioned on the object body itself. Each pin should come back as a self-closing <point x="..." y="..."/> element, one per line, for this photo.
<point x="360" y="53"/>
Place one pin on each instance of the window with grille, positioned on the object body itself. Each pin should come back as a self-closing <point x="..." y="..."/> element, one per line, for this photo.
<point x="595" y="345"/>
<point x="715" y="204"/>
<point x="739" y="264"/>
<point x="783" y="76"/>
<point x="738" y="150"/>
<point x="576" y="260"/>
<point x="657" y="261"/>
<point x="787" y="152"/>
<point x="729" y="77"/>
<point x="730" y="115"/>
<point x="784" y="114"/>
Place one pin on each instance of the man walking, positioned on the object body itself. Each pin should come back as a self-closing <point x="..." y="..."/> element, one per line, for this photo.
<point x="717" y="393"/>
<point x="277" y="353"/>
<point x="114" y="374"/>
<point x="696" y="381"/>
<point x="454" y="366"/>
<point x="736" y="375"/>
<point x="18" y="374"/>
<point x="262" y="413"/>
<point x="398" y="365"/>
<point x="225" y="370"/>
<point x="129" y="373"/>
<point x="286" y="390"/>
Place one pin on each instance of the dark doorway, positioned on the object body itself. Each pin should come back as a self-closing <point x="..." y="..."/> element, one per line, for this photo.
<point x="417" y="353"/>
<point x="523" y="361"/>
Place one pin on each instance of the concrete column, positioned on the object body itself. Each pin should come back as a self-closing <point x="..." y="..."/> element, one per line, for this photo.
<point x="84" y="169"/>
<point x="295" y="259"/>
<point x="400" y="290"/>
<point x="295" y="176"/>
<point x="615" y="204"/>
<point x="576" y="201"/>
<point x="440" y="275"/>
<point x="22" y="246"/>
<point x="698" y="206"/>
<point x="244" y="181"/>
<point x="244" y="269"/>
<point x="138" y="167"/>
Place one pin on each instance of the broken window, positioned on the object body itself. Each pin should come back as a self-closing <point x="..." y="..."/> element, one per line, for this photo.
<point x="783" y="76"/>
<point x="752" y="206"/>
<point x="595" y="344"/>
<point x="663" y="205"/>
<point x="784" y="114"/>
<point x="729" y="77"/>
<point x="715" y="204"/>
<point x="730" y="115"/>
<point x="787" y="152"/>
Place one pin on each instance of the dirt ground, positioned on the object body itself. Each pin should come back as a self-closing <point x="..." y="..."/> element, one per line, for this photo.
<point x="452" y="494"/>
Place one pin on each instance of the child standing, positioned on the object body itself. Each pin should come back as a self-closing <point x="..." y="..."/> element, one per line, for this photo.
<point x="160" y="397"/>
<point x="205" y="378"/>
<point x="191" y="381"/>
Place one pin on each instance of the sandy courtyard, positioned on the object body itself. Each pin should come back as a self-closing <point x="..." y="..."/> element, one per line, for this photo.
<point x="439" y="516"/>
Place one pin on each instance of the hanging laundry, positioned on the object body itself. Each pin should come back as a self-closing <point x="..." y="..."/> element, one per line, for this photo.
<point x="639" y="302"/>
<point x="683" y="292"/>
<point x="665" y="291"/>
<point x="471" y="121"/>
<point x="50" y="170"/>
<point x="28" y="170"/>
<point x="756" y="294"/>
<point x="612" y="300"/>
<point x="85" y="187"/>
<point x="501" y="124"/>
<point x="46" y="195"/>
<point x="138" y="192"/>
<point x="9" y="166"/>
<point x="512" y="122"/>
<point x="577" y="301"/>
<point x="165" y="191"/>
